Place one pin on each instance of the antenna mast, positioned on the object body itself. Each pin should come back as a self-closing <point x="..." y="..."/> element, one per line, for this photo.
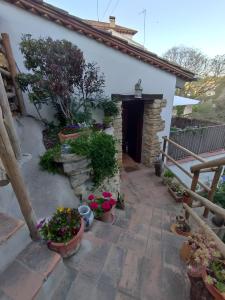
<point x="144" y="12"/>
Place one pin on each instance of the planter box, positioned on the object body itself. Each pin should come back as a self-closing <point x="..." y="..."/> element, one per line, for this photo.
<point x="178" y="199"/>
<point x="65" y="137"/>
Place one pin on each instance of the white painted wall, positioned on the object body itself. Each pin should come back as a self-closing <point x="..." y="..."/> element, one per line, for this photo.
<point x="121" y="71"/>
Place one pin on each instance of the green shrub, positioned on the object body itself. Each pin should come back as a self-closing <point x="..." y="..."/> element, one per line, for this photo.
<point x="47" y="160"/>
<point x="101" y="149"/>
<point x="109" y="107"/>
<point x="168" y="174"/>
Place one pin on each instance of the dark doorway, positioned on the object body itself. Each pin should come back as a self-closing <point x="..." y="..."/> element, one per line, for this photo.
<point x="132" y="128"/>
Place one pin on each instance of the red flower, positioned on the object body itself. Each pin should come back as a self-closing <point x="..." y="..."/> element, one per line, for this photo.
<point x="106" y="194"/>
<point x="106" y="206"/>
<point x="112" y="202"/>
<point x="93" y="205"/>
<point x="91" y="197"/>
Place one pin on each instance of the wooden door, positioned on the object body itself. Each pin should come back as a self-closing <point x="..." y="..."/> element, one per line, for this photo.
<point x="132" y="128"/>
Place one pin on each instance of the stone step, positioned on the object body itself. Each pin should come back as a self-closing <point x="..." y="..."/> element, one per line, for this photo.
<point x="36" y="273"/>
<point x="14" y="237"/>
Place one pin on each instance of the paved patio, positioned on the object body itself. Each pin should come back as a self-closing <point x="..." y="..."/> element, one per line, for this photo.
<point x="137" y="257"/>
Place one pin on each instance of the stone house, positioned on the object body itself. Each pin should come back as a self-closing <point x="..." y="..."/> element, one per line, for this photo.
<point x="143" y="121"/>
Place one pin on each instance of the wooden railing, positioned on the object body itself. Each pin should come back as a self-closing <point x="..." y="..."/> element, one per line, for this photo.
<point x="215" y="166"/>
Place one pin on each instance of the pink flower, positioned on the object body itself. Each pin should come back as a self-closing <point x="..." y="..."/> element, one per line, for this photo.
<point x="106" y="194"/>
<point x="91" y="197"/>
<point x="106" y="206"/>
<point x="112" y="202"/>
<point x="93" y="205"/>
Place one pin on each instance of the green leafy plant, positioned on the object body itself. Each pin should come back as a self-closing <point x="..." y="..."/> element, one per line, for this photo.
<point x="216" y="272"/>
<point x="60" y="76"/>
<point x="109" y="107"/>
<point x="62" y="227"/>
<point x="168" y="174"/>
<point x="102" y="204"/>
<point x="101" y="149"/>
<point x="47" y="160"/>
<point x="120" y="203"/>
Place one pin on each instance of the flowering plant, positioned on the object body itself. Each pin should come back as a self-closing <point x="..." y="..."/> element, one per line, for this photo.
<point x="102" y="204"/>
<point x="61" y="227"/>
<point x="203" y="250"/>
<point x="216" y="275"/>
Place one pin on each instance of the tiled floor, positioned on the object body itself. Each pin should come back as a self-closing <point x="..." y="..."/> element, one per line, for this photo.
<point x="137" y="257"/>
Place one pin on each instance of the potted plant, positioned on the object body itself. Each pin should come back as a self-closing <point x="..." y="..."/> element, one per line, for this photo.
<point x="181" y="227"/>
<point x="214" y="278"/>
<point x="110" y="111"/>
<point x="102" y="206"/>
<point x="63" y="231"/>
<point x="176" y="191"/>
<point x="69" y="132"/>
<point x="120" y="203"/>
<point x="168" y="177"/>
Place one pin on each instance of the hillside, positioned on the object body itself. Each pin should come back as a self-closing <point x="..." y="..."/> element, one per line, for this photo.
<point x="211" y="92"/>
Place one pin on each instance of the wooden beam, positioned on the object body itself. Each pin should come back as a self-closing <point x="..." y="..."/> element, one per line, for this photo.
<point x="185" y="171"/>
<point x="212" y="192"/>
<point x="13" y="70"/>
<point x="209" y="164"/>
<point x="219" y="243"/>
<point x="3" y="176"/>
<point x="194" y="184"/>
<point x="215" y="208"/>
<point x="5" y="72"/>
<point x="13" y="171"/>
<point x="8" y="119"/>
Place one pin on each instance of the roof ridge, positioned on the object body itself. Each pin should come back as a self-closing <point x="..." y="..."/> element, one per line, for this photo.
<point x="71" y="22"/>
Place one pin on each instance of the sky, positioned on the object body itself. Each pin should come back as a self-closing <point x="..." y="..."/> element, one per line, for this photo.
<point x="194" y="23"/>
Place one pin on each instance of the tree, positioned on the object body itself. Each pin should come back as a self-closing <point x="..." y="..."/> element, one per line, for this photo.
<point x="188" y="58"/>
<point x="60" y="76"/>
<point x="217" y="65"/>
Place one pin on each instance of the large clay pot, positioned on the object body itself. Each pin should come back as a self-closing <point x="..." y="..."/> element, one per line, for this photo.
<point x="217" y="295"/>
<point x="198" y="290"/>
<point x="65" y="137"/>
<point x="71" y="247"/>
<point x="107" y="217"/>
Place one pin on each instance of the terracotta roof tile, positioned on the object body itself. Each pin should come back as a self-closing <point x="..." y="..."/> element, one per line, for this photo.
<point x="63" y="18"/>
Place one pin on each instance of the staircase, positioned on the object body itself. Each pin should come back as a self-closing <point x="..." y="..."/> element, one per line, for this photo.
<point x="29" y="270"/>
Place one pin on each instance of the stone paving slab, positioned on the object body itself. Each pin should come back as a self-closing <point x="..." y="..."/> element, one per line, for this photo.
<point x="137" y="257"/>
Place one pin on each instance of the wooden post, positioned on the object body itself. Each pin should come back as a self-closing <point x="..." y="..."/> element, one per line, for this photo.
<point x="212" y="191"/>
<point x="4" y="104"/>
<point x="219" y="243"/>
<point x="13" y="171"/>
<point x="193" y="188"/>
<point x="13" y="70"/>
<point x="164" y="148"/>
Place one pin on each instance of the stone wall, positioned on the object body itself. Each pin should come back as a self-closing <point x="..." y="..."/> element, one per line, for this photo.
<point x="152" y="124"/>
<point x="117" y="124"/>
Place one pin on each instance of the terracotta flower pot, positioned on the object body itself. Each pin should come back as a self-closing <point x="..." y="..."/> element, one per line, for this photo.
<point x="107" y="217"/>
<point x="71" y="247"/>
<point x="71" y="136"/>
<point x="217" y="295"/>
<point x="185" y="252"/>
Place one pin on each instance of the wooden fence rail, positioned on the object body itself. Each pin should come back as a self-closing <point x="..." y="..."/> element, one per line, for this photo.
<point x="197" y="140"/>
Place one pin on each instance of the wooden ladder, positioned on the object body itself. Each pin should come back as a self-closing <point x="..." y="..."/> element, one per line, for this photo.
<point x="8" y="71"/>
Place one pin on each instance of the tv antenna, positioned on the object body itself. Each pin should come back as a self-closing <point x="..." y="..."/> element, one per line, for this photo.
<point x="144" y="12"/>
